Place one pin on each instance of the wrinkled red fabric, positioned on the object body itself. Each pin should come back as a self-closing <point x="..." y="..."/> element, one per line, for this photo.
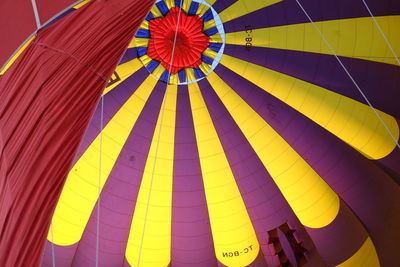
<point x="46" y="100"/>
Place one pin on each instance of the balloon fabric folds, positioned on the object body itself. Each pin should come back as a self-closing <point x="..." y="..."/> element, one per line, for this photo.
<point x="241" y="133"/>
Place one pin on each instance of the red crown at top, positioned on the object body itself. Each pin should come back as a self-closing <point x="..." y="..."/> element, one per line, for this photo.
<point x="190" y="40"/>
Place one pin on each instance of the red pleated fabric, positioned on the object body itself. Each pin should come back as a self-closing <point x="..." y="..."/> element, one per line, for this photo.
<point x="46" y="100"/>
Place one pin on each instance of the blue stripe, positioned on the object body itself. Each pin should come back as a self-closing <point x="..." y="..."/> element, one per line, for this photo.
<point x="162" y="7"/>
<point x="150" y="16"/>
<point x="164" y="77"/>
<point x="178" y="3"/>
<point x="152" y="65"/>
<point x="211" y="31"/>
<point x="198" y="73"/>
<point x="193" y="8"/>
<point x="143" y="33"/>
<point x="182" y="76"/>
<point x="208" y="60"/>
<point x="142" y="51"/>
<point x="215" y="46"/>
<point x="208" y="15"/>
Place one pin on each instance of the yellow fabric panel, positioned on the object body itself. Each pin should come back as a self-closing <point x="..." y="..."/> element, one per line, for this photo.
<point x="211" y="2"/>
<point x="125" y="71"/>
<point x="81" y="189"/>
<point x="16" y="55"/>
<point x="149" y="242"/>
<point x="141" y="42"/>
<point x="174" y="79"/>
<point x="158" y="71"/>
<point x="186" y="5"/>
<point x="365" y="257"/>
<point x="313" y="201"/>
<point x="170" y="3"/>
<point x="231" y="227"/>
<point x="210" y="53"/>
<point x="216" y="38"/>
<point x="156" y="12"/>
<point x="132" y="43"/>
<point x="244" y="7"/>
<point x="81" y="4"/>
<point x="205" y="68"/>
<point x="145" y="25"/>
<point x="353" y="122"/>
<point x="146" y="59"/>
<point x="354" y="38"/>
<point x="208" y="24"/>
<point x="202" y="10"/>
<point x="190" y="75"/>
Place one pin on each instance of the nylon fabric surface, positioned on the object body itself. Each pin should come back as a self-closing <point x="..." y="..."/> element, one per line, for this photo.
<point x="47" y="99"/>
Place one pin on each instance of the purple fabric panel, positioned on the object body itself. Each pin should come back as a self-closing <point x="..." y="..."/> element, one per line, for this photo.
<point x="341" y="239"/>
<point x="119" y="194"/>
<point x="63" y="255"/>
<point x="265" y="204"/>
<point x="379" y="81"/>
<point x="391" y="164"/>
<point x="192" y="243"/>
<point x="288" y="12"/>
<point x="221" y="5"/>
<point x="130" y="53"/>
<point x="370" y="193"/>
<point x="113" y="101"/>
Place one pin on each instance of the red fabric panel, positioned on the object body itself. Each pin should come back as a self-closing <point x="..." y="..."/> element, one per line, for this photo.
<point x="190" y="40"/>
<point x="49" y="8"/>
<point x="47" y="98"/>
<point x="17" y="22"/>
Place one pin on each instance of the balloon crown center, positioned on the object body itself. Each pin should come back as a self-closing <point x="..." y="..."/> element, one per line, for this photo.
<point x="177" y="40"/>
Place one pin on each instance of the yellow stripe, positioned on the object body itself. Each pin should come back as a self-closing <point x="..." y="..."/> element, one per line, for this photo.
<point x="353" y="122"/>
<point x="365" y="257"/>
<point x="231" y="227"/>
<point x="81" y="4"/>
<point x="155" y="248"/>
<point x="216" y="38"/>
<point x="156" y="12"/>
<point x="174" y="79"/>
<point x="141" y="42"/>
<point x="16" y="55"/>
<point x="244" y="7"/>
<point x="145" y="25"/>
<point x="211" y="2"/>
<point x="208" y="25"/>
<point x="81" y="189"/>
<point x="202" y="10"/>
<point x="170" y="3"/>
<point x="186" y="5"/>
<point x="146" y="59"/>
<point x="354" y="38"/>
<point x="210" y="53"/>
<point x="132" y="43"/>
<point x="190" y="75"/>
<point x="125" y="71"/>
<point x="205" y="68"/>
<point x="312" y="200"/>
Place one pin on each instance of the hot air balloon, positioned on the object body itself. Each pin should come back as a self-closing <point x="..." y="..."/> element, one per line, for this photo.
<point x="242" y="133"/>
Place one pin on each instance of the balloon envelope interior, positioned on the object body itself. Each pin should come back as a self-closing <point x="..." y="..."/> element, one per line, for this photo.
<point x="238" y="133"/>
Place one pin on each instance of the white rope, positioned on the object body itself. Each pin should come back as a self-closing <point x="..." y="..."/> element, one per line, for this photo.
<point x="53" y="255"/>
<point x="348" y="74"/>
<point x="159" y="132"/>
<point x="99" y="181"/>
<point x="382" y="33"/>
